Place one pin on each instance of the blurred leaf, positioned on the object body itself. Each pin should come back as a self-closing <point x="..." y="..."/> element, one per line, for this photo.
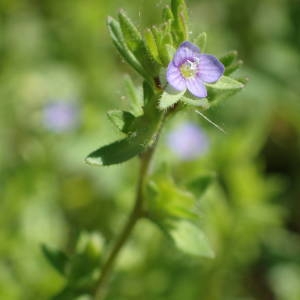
<point x="167" y="14"/>
<point x="169" y="97"/>
<point x="180" y="22"/>
<point x="233" y="67"/>
<point x="69" y="293"/>
<point x="228" y="58"/>
<point x="199" y="185"/>
<point x="57" y="258"/>
<point x="190" y="239"/>
<point x="167" y="201"/>
<point x="90" y="245"/>
<point x="200" y="41"/>
<point x="121" y="119"/>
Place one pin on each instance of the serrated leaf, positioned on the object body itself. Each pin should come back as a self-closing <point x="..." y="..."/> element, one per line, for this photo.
<point x="200" y="41"/>
<point x="151" y="44"/>
<point x="191" y="239"/>
<point x="118" y="40"/>
<point x="135" y="43"/>
<point x="131" y="34"/>
<point x="121" y="119"/>
<point x="57" y="258"/>
<point x="226" y="83"/>
<point x="169" y="97"/>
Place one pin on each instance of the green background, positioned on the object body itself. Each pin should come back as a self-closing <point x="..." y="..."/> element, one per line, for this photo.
<point x="61" y="50"/>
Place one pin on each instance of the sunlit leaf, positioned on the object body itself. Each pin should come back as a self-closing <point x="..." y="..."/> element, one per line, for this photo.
<point x="191" y="239"/>
<point x="169" y="97"/>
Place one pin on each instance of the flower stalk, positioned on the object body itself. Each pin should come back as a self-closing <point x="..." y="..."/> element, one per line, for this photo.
<point x="136" y="214"/>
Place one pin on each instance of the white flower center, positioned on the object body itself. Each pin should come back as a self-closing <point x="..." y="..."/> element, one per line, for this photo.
<point x="189" y="68"/>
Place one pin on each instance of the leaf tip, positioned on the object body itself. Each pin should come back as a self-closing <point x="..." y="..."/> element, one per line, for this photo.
<point x="93" y="161"/>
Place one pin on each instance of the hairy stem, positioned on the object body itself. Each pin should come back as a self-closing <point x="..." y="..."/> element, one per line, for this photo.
<point x="135" y="215"/>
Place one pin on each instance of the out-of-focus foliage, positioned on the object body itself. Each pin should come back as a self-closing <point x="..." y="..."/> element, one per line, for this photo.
<point x="56" y="56"/>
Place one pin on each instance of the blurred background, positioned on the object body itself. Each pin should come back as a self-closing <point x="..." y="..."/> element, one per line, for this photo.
<point x="59" y="74"/>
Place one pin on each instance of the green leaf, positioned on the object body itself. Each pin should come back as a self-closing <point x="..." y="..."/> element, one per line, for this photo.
<point x="200" y="41"/>
<point x="118" y="40"/>
<point x="191" y="239"/>
<point x="90" y="245"/>
<point x="167" y="14"/>
<point x="147" y="92"/>
<point x="166" y="200"/>
<point x="135" y="43"/>
<point x="223" y="88"/>
<point x="121" y="119"/>
<point x="233" y="67"/>
<point x="199" y="185"/>
<point x="200" y="102"/>
<point x="230" y="63"/>
<point x="228" y="58"/>
<point x="132" y="36"/>
<point x="136" y="102"/>
<point x="116" y="152"/>
<point x="169" y="97"/>
<point x="57" y="258"/>
<point x="179" y="6"/>
<point x="143" y="135"/>
<point x="180" y="23"/>
<point x="226" y="83"/>
<point x="151" y="44"/>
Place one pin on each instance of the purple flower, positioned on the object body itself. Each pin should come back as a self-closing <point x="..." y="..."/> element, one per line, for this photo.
<point x="188" y="141"/>
<point x="60" y="116"/>
<point x="190" y="69"/>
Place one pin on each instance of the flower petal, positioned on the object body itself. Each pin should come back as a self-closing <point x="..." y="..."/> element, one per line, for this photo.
<point x="210" y="68"/>
<point x="174" y="77"/>
<point x="185" y="51"/>
<point x="196" y="87"/>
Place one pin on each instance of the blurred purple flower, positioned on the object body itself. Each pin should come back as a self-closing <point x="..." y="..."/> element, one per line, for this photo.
<point x="60" y="116"/>
<point x="188" y="141"/>
<point x="190" y="69"/>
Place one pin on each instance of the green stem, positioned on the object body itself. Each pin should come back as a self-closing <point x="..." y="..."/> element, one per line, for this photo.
<point x="135" y="215"/>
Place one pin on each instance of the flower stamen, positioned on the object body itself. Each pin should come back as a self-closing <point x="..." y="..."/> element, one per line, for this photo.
<point x="189" y="68"/>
